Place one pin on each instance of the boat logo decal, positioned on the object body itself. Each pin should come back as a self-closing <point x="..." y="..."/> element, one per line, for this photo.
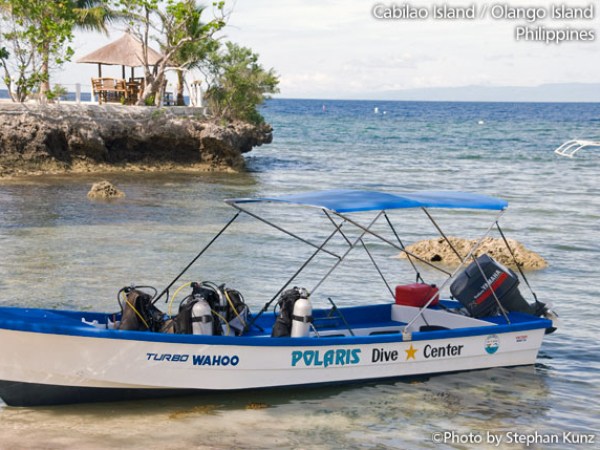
<point x="314" y="358"/>
<point x="197" y="360"/>
<point x="521" y="338"/>
<point x="491" y="344"/>
<point x="411" y="352"/>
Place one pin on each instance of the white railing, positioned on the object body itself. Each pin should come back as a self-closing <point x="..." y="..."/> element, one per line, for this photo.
<point x="82" y="93"/>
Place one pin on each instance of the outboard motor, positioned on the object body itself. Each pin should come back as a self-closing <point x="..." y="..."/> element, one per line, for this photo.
<point x="476" y="291"/>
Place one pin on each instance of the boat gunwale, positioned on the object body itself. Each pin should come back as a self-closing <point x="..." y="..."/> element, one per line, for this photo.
<point x="69" y="327"/>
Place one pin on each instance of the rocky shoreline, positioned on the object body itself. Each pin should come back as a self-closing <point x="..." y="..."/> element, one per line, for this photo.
<point x="36" y="139"/>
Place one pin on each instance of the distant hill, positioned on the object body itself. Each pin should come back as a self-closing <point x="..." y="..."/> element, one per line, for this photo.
<point x="559" y="92"/>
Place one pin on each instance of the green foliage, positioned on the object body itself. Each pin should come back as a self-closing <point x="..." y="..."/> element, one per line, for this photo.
<point x="94" y="15"/>
<point x="177" y="26"/>
<point x="47" y="24"/>
<point x="239" y="84"/>
<point x="185" y="23"/>
<point x="39" y="33"/>
<point x="20" y="72"/>
<point x="149" y="101"/>
<point x="57" y="92"/>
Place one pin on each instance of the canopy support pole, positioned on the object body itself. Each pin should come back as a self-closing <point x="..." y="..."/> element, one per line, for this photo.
<point x="419" y="277"/>
<point x="516" y="263"/>
<point x="460" y="258"/>
<point x="368" y="253"/>
<point x="406" y="334"/>
<point x="392" y="244"/>
<point x="206" y="247"/>
<point x="339" y="261"/>
<point x="463" y="260"/>
<point x="283" y="230"/>
<point x="293" y="277"/>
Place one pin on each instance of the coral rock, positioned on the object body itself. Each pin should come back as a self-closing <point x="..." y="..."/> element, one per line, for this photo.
<point x="104" y="190"/>
<point x="438" y="250"/>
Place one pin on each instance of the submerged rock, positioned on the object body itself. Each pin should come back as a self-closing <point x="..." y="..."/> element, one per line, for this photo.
<point x="104" y="190"/>
<point x="438" y="250"/>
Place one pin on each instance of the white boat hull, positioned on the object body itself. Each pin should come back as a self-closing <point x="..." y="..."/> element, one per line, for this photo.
<point x="54" y="360"/>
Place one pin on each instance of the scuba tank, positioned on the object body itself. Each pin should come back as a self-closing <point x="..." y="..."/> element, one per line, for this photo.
<point x="201" y="317"/>
<point x="301" y="315"/>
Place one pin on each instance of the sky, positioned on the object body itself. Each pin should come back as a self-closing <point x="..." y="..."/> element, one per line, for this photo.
<point x="337" y="49"/>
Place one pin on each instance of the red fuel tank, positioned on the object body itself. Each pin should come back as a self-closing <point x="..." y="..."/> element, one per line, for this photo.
<point x="416" y="294"/>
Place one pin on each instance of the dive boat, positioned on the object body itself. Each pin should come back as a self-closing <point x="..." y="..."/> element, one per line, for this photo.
<point x="212" y="342"/>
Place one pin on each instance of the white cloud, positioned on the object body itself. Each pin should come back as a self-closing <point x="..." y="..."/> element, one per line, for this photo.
<point x="337" y="45"/>
<point x="336" y="49"/>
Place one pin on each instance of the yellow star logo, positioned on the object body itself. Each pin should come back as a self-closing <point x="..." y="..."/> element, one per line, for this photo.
<point x="410" y="352"/>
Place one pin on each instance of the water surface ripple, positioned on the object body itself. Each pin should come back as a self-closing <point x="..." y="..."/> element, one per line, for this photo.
<point x="60" y="250"/>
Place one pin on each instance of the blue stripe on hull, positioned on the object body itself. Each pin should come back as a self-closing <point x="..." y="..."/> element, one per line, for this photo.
<point x="69" y="323"/>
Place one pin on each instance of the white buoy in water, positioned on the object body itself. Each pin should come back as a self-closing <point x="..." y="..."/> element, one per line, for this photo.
<point x="376" y="110"/>
<point x="481" y="122"/>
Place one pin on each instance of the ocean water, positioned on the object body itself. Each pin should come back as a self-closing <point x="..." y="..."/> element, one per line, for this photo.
<point x="58" y="249"/>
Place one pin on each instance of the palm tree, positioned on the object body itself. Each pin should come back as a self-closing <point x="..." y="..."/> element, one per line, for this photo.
<point x="88" y="15"/>
<point x="191" y="54"/>
<point x="93" y="15"/>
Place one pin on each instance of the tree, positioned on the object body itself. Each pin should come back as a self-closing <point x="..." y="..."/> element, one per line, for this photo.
<point x="46" y="25"/>
<point x="193" y="53"/>
<point x="21" y="71"/>
<point x="238" y="84"/>
<point x="44" y="29"/>
<point x="94" y="15"/>
<point x="90" y="15"/>
<point x="155" y="19"/>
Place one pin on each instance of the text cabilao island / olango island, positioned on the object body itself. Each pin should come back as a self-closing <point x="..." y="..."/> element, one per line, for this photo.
<point x="502" y="11"/>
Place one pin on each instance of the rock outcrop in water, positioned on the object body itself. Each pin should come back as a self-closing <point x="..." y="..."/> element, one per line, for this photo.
<point x="82" y="138"/>
<point x="438" y="250"/>
<point x="104" y="190"/>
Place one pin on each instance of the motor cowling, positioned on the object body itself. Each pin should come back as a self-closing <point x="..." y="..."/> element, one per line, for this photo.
<point x="484" y="280"/>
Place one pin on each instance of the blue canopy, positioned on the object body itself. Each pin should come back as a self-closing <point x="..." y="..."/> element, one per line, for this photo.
<point x="345" y="201"/>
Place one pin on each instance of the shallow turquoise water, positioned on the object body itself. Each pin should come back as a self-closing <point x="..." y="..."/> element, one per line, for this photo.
<point x="60" y="250"/>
